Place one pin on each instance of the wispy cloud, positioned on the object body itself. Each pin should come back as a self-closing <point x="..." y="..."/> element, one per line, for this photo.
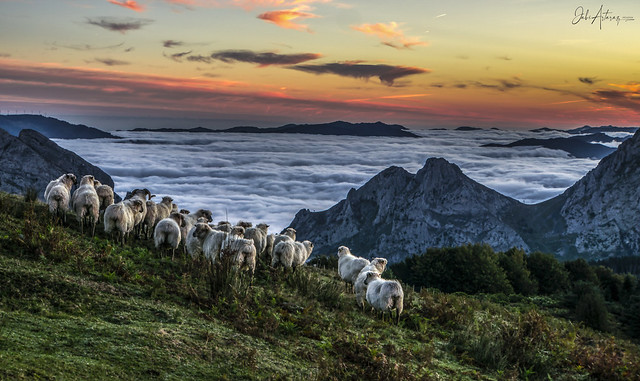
<point x="628" y="98"/>
<point x="5" y="55"/>
<point x="131" y="4"/>
<point x="88" y="47"/>
<point x="263" y="58"/>
<point x="386" y="73"/>
<point x="287" y="18"/>
<point x="121" y="25"/>
<point x="177" y="56"/>
<point x="390" y="34"/>
<point x="588" y="80"/>
<point x="112" y="62"/>
<point x="171" y="43"/>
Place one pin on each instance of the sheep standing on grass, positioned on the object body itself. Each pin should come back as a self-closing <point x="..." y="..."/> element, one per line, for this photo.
<point x="243" y="255"/>
<point x="139" y="194"/>
<point x="105" y="194"/>
<point x="384" y="295"/>
<point x="167" y="232"/>
<point x="190" y="220"/>
<point x="349" y="266"/>
<point x="58" y="194"/>
<point x="274" y="239"/>
<point x="163" y="209"/>
<point x="378" y="265"/>
<point x="211" y="241"/>
<point x="120" y="218"/>
<point x="150" y="218"/>
<point x="291" y="254"/>
<point x="259" y="236"/>
<point x="86" y="204"/>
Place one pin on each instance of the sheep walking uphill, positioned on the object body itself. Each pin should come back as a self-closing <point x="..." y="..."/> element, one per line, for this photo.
<point x="349" y="266"/>
<point x="190" y="219"/>
<point x="259" y="236"/>
<point x="58" y="194"/>
<point x="274" y="239"/>
<point x="291" y="254"/>
<point x="143" y="195"/>
<point x="210" y="239"/>
<point x="120" y="218"/>
<point x="163" y="209"/>
<point x="378" y="265"/>
<point x="86" y="204"/>
<point x="243" y="255"/>
<point x="105" y="194"/>
<point x="167" y="232"/>
<point x="384" y="295"/>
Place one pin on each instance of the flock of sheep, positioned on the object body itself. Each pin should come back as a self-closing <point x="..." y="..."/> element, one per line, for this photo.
<point x="137" y="214"/>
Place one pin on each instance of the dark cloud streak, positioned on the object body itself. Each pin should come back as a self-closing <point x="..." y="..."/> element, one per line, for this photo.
<point x="263" y="58"/>
<point x="386" y="73"/>
<point x="121" y="25"/>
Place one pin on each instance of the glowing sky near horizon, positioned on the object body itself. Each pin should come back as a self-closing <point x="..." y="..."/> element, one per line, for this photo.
<point x="518" y="64"/>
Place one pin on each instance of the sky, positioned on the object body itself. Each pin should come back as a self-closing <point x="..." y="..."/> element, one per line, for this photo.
<point x="269" y="178"/>
<point x="222" y="63"/>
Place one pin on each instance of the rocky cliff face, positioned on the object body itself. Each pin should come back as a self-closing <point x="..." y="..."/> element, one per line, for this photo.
<point x="602" y="210"/>
<point x="32" y="160"/>
<point x="397" y="214"/>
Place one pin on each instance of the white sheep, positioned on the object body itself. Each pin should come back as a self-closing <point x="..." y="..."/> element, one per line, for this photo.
<point x="243" y="255"/>
<point x="291" y="254"/>
<point x="211" y="241"/>
<point x="143" y="195"/>
<point x="86" y="204"/>
<point x="384" y="295"/>
<point x="163" y="209"/>
<point x="259" y="236"/>
<point x="167" y="232"/>
<point x="120" y="217"/>
<point x="191" y="244"/>
<point x="190" y="219"/>
<point x="150" y="218"/>
<point x="349" y="266"/>
<point x="378" y="265"/>
<point x="274" y="239"/>
<point x="58" y="194"/>
<point x="105" y="194"/>
<point x="223" y="226"/>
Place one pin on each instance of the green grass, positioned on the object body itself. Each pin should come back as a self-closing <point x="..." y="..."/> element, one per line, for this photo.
<point x="73" y="307"/>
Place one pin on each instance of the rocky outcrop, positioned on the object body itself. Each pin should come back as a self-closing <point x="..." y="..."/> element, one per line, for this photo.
<point x="32" y="160"/>
<point x="397" y="214"/>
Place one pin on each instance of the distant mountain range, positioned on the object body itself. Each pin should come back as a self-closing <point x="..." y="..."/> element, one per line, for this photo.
<point x="32" y="160"/>
<point x="398" y="214"/>
<point x="589" y="129"/>
<point x="333" y="128"/>
<point x="50" y="127"/>
<point x="580" y="146"/>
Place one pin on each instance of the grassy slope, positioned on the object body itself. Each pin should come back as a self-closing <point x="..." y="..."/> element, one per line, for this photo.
<point x="78" y="308"/>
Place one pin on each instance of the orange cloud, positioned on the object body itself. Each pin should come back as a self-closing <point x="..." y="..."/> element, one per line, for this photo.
<point x="390" y="34"/>
<point x="131" y="4"/>
<point x="245" y="4"/>
<point x="285" y="18"/>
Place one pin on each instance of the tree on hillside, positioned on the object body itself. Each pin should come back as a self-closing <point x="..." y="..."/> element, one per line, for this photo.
<point x="549" y="273"/>
<point x="471" y="269"/>
<point x="514" y="264"/>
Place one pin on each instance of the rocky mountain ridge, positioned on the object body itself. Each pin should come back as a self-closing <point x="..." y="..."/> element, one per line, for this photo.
<point x="397" y="214"/>
<point x="50" y="127"/>
<point x="32" y="160"/>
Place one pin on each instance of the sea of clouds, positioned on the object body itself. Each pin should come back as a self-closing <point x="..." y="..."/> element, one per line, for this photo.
<point x="269" y="177"/>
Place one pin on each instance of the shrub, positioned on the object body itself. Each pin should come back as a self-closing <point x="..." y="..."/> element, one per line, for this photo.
<point x="514" y="264"/>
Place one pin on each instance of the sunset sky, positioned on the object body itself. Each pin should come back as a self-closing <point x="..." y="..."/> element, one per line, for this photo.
<point x="222" y="63"/>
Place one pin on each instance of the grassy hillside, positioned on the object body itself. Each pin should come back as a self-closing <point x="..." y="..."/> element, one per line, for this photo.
<point x="72" y="307"/>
